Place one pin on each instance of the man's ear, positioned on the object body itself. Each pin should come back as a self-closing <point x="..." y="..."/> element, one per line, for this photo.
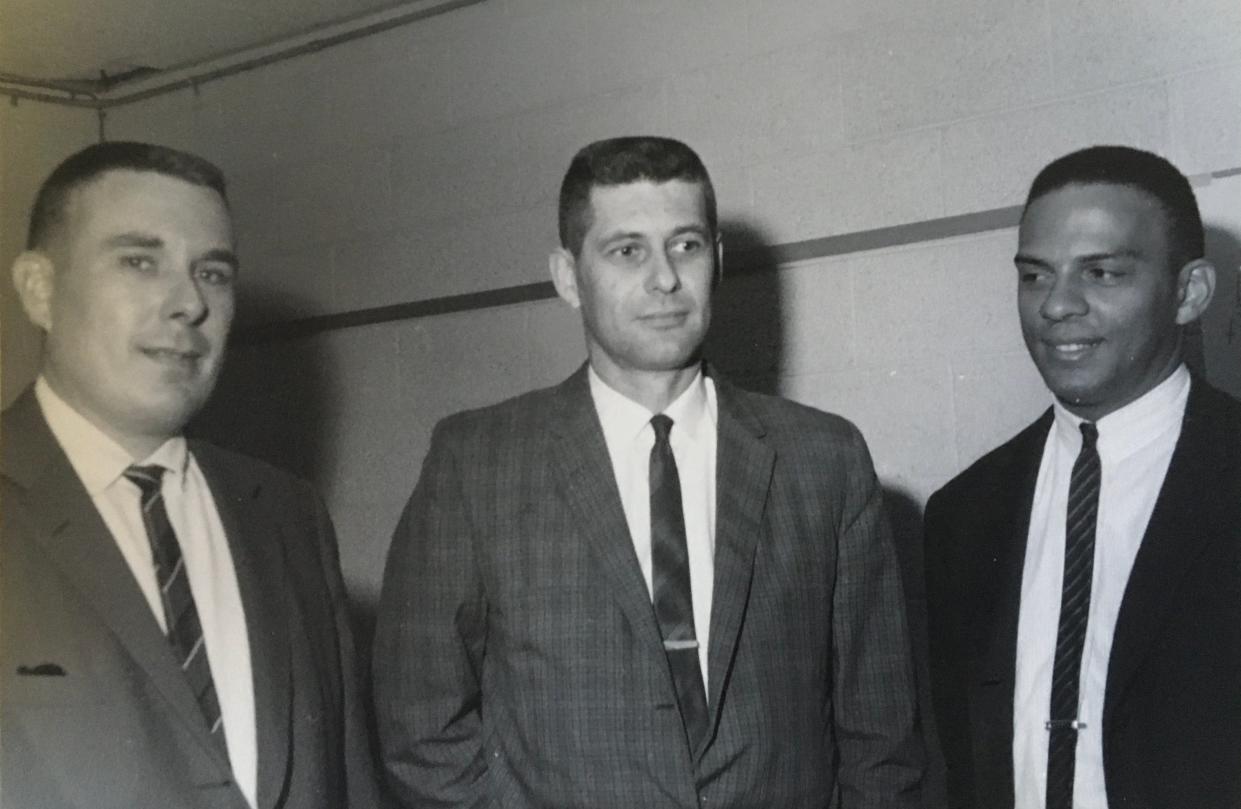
<point x="563" y="268"/>
<point x="35" y="280"/>
<point x="719" y="260"/>
<point x="1195" y="287"/>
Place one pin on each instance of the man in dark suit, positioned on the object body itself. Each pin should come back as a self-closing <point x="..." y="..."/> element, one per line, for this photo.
<point x="644" y="586"/>
<point x="173" y="627"/>
<point x="1084" y="579"/>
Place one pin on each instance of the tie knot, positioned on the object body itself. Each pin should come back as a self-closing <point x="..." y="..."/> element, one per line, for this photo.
<point x="1090" y="434"/>
<point x="662" y="426"/>
<point x="146" y="478"/>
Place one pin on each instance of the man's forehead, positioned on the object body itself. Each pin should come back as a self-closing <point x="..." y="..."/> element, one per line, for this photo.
<point x="129" y="199"/>
<point x="686" y="199"/>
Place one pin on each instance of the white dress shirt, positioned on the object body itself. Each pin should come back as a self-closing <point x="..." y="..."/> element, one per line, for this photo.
<point x="1135" y="446"/>
<point x="630" y="437"/>
<point x="100" y="464"/>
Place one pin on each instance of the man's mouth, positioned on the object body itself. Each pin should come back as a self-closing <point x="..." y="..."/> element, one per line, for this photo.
<point x="1071" y="349"/>
<point x="173" y="355"/>
<point x="665" y="318"/>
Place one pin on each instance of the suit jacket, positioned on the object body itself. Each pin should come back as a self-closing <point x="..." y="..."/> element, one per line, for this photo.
<point x="518" y="661"/>
<point x="95" y="712"/>
<point x="1172" y="702"/>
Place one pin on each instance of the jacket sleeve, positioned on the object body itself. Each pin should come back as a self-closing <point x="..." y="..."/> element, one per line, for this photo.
<point x="429" y="644"/>
<point x="947" y="653"/>
<point x="874" y="697"/>
<point x="361" y="781"/>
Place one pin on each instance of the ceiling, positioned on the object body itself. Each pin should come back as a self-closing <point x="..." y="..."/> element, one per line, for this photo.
<point x="93" y="44"/>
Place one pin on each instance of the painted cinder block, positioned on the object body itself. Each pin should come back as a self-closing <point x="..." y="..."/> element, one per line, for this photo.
<point x="994" y="398"/>
<point x="740" y="112"/>
<point x="508" y="64"/>
<point x="989" y="162"/>
<point x="982" y="305"/>
<point x="902" y="302"/>
<point x="555" y="341"/>
<point x="871" y="185"/>
<point x="33" y="139"/>
<point x="1206" y="119"/>
<point x="819" y="317"/>
<point x="634" y="42"/>
<point x="972" y="59"/>
<point x="905" y="413"/>
<point x="1095" y="45"/>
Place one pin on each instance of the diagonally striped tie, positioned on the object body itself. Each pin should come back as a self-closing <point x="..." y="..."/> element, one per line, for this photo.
<point x="673" y="599"/>
<point x="1079" y="535"/>
<point x="185" y="634"/>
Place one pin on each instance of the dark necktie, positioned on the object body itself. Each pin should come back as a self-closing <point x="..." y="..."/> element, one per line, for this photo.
<point x="1079" y="535"/>
<point x="674" y="603"/>
<point x="185" y="634"/>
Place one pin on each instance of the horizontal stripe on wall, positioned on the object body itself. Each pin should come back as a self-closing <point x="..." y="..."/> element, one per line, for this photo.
<point x="742" y="260"/>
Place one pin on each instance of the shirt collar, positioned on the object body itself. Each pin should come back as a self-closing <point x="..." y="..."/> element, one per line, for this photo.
<point x="95" y="457"/>
<point x="623" y="419"/>
<point x="1134" y="426"/>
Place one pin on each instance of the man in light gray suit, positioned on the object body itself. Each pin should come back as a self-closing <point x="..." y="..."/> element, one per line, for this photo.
<point x="644" y="586"/>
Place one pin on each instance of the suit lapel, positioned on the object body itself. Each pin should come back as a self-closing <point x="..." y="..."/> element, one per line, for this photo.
<point x="255" y="543"/>
<point x="744" y="466"/>
<point x="1179" y="527"/>
<point x="1001" y="549"/>
<point x="77" y="541"/>
<point x="743" y="473"/>
<point x="584" y="474"/>
<point x="1014" y="502"/>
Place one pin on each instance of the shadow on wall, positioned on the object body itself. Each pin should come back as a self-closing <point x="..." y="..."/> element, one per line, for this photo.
<point x="1219" y="341"/>
<point x="747" y="328"/>
<point x="273" y="399"/>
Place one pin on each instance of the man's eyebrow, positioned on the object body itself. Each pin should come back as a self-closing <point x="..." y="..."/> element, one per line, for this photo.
<point x="621" y="234"/>
<point x="221" y="255"/>
<point x="135" y="239"/>
<point x="1132" y="255"/>
<point x="1112" y="254"/>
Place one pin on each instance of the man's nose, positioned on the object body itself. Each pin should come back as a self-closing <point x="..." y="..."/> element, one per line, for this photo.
<point x="1064" y="299"/>
<point x="663" y="273"/>
<point x="185" y="300"/>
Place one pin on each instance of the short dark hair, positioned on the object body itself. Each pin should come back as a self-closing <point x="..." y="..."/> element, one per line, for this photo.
<point x="82" y="167"/>
<point x="620" y="161"/>
<point x="1147" y="172"/>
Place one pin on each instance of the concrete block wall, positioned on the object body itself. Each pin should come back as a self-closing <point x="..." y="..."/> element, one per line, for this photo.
<point x="425" y="161"/>
<point x="33" y="139"/>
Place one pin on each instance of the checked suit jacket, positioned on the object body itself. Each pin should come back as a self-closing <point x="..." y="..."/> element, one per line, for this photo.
<point x="94" y="710"/>
<point x="1172" y="701"/>
<point x="518" y="662"/>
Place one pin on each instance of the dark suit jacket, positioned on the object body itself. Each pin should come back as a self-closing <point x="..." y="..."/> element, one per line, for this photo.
<point x="94" y="712"/>
<point x="518" y="662"/>
<point x="1172" y="707"/>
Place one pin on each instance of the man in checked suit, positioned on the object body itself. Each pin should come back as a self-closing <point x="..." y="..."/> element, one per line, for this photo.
<point x="172" y="619"/>
<point x="644" y="586"/>
<point x="1084" y="579"/>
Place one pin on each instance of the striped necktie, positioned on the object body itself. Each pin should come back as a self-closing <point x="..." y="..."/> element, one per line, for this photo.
<point x="185" y="634"/>
<point x="673" y="599"/>
<point x="1081" y="515"/>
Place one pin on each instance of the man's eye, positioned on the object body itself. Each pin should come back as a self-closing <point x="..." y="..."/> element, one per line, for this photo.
<point x="139" y="262"/>
<point x="688" y="245"/>
<point x="1103" y="274"/>
<point x="216" y="276"/>
<point x="627" y="251"/>
<point x="1028" y="276"/>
